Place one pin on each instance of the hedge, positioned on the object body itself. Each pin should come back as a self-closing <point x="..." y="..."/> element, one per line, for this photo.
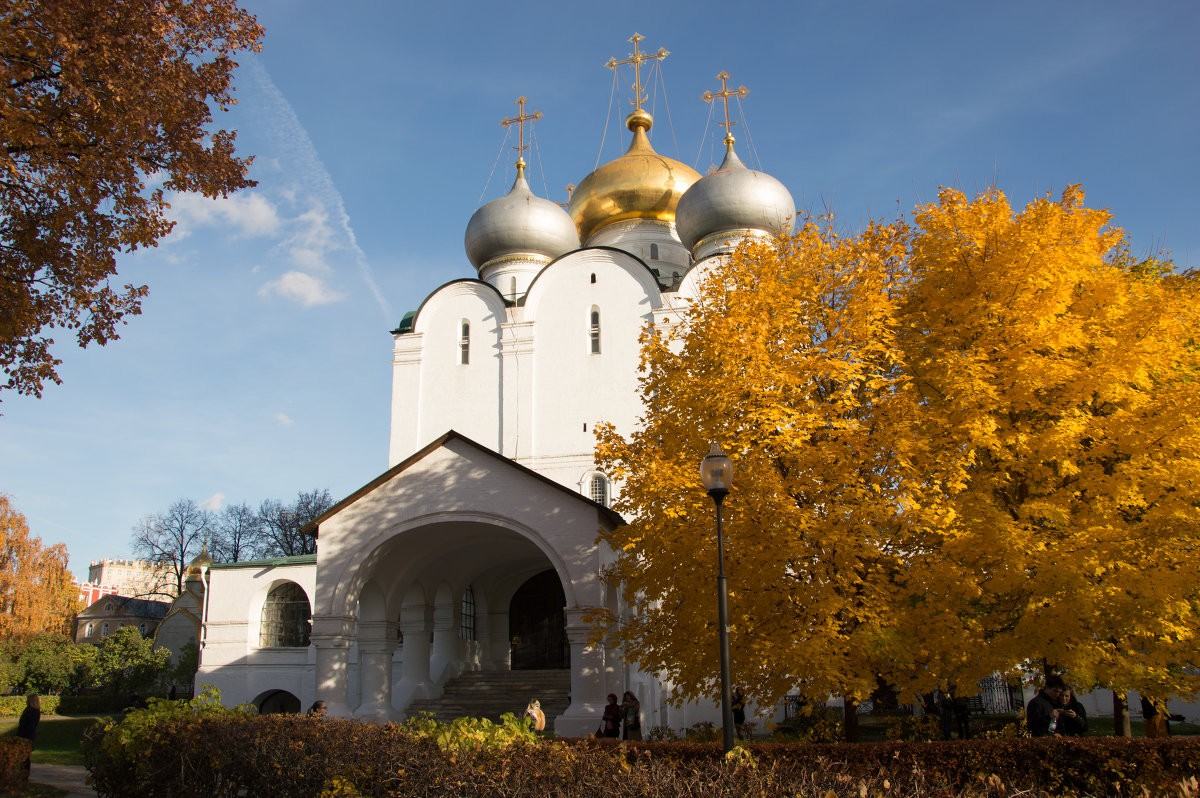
<point x="14" y="753"/>
<point x="176" y="751"/>
<point x="11" y="706"/>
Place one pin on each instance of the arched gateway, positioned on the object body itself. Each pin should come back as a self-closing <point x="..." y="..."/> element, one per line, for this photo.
<point x="398" y="560"/>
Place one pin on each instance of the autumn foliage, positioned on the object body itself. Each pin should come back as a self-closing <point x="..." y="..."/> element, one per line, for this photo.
<point x="98" y="100"/>
<point x="962" y="443"/>
<point x="36" y="594"/>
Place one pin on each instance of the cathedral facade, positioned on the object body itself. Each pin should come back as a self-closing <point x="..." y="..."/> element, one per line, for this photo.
<point x="477" y="550"/>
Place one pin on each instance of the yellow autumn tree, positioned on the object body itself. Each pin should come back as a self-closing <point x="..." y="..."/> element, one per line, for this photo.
<point x="788" y="358"/>
<point x="1058" y="377"/>
<point x="961" y="446"/>
<point x="36" y="594"/>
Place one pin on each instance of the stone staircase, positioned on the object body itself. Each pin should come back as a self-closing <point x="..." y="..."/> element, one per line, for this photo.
<point x="489" y="694"/>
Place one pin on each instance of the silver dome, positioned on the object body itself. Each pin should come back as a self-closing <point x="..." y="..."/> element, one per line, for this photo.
<point x="519" y="222"/>
<point x="733" y="198"/>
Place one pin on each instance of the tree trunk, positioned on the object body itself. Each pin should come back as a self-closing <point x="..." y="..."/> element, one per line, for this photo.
<point x="1121" y="723"/>
<point x="850" y="706"/>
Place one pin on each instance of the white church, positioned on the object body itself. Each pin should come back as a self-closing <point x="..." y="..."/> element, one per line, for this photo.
<point x="473" y="560"/>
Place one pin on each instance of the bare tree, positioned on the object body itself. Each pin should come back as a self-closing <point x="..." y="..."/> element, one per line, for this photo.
<point x="236" y="534"/>
<point x="281" y="523"/>
<point x="170" y="540"/>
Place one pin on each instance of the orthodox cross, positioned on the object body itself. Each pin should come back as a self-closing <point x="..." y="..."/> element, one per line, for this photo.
<point x="519" y="120"/>
<point x="570" y="191"/>
<point x="636" y="58"/>
<point x="724" y="94"/>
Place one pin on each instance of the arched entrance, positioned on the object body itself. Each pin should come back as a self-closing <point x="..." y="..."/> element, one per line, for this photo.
<point x="537" y="625"/>
<point x="275" y="702"/>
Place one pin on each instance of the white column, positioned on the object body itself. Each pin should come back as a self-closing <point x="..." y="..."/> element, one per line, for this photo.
<point x="587" y="680"/>
<point x="332" y="637"/>
<point x="499" y="648"/>
<point x="446" y="659"/>
<point x="416" y="683"/>
<point x="376" y="643"/>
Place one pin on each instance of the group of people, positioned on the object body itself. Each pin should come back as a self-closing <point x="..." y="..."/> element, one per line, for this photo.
<point x="1056" y="711"/>
<point x="622" y="719"/>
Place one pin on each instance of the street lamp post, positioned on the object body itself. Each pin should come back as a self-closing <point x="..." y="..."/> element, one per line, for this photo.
<point x="716" y="472"/>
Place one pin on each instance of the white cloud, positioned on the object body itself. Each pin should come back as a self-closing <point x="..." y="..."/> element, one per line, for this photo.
<point x="284" y="420"/>
<point x="246" y="213"/>
<point x="213" y="502"/>
<point x="311" y="240"/>
<point x="304" y="288"/>
<point x="304" y="163"/>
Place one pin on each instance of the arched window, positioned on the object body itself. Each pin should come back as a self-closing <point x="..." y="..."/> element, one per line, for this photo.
<point x="512" y="287"/>
<point x="464" y="343"/>
<point x="593" y="278"/>
<point x="467" y="629"/>
<point x="598" y="489"/>
<point x="108" y="607"/>
<point x="88" y="631"/>
<point x="286" y="618"/>
<point x="594" y="331"/>
<point x="654" y="252"/>
<point x="104" y="630"/>
<point x="142" y="629"/>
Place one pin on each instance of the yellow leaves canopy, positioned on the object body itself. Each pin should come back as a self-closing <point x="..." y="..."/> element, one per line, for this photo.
<point x="960" y="444"/>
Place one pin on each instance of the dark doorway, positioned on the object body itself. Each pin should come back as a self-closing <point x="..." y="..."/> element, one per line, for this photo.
<point x="277" y="702"/>
<point x="537" y="625"/>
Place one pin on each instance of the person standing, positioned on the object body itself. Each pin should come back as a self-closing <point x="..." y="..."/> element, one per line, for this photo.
<point x="1156" y="717"/>
<point x="533" y="711"/>
<point x="738" y="705"/>
<point x="631" y="711"/>
<point x="28" y="723"/>
<point x="1041" y="716"/>
<point x="610" y="721"/>
<point x="1072" y="722"/>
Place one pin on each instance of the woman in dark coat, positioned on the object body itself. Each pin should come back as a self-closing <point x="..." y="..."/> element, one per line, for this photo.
<point x="610" y="722"/>
<point x="27" y="725"/>
<point x="1072" y="722"/>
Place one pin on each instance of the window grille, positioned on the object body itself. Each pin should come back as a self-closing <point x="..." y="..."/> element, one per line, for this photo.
<point x="594" y="332"/>
<point x="467" y="627"/>
<point x="599" y="489"/>
<point x="286" y="618"/>
<point x="464" y="344"/>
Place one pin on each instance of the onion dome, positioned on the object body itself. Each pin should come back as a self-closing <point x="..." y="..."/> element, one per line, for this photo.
<point x="641" y="184"/>
<point x="733" y="200"/>
<point x="199" y="562"/>
<point x="519" y="223"/>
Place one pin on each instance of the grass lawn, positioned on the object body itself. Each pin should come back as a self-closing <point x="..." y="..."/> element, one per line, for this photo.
<point x="58" y="738"/>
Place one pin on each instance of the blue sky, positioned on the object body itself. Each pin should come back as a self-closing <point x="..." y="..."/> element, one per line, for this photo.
<point x="261" y="364"/>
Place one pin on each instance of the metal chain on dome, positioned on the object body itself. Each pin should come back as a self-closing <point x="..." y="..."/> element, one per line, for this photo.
<point x="493" y="172"/>
<point x="666" y="104"/>
<point x="537" y="150"/>
<point x="749" y="138"/>
<point x="607" y="116"/>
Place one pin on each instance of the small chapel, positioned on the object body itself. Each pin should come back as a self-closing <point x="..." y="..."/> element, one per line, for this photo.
<point x="461" y="580"/>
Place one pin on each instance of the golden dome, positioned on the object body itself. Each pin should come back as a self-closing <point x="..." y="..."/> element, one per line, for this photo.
<point x="641" y="184"/>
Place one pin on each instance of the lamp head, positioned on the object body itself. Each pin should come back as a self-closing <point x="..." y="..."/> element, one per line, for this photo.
<point x="716" y="472"/>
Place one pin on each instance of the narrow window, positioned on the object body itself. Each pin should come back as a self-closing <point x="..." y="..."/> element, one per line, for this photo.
<point x="512" y="287"/>
<point x="467" y="629"/>
<point x="464" y="343"/>
<point x="599" y="489"/>
<point x="104" y="630"/>
<point x="593" y="277"/>
<point x="594" y="331"/>
<point x="654" y="252"/>
<point x="88" y="632"/>
<point x="142" y="629"/>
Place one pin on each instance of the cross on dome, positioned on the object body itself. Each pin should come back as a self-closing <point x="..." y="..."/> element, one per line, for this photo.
<point x="636" y="58"/>
<point x="519" y="120"/>
<point x="724" y="94"/>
